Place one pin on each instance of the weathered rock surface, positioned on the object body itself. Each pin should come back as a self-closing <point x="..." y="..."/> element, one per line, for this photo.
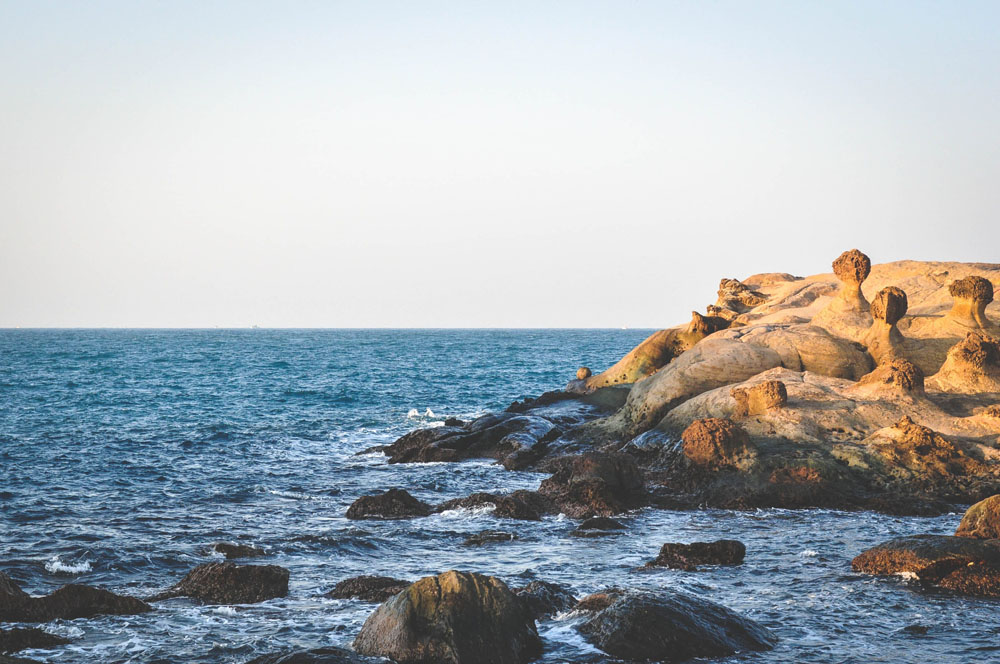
<point x="368" y="588"/>
<point x="972" y="366"/>
<point x="232" y="551"/>
<point x="718" y="443"/>
<point x="688" y="557"/>
<point x="960" y="564"/>
<point x="452" y="618"/>
<point x="67" y="603"/>
<point x="982" y="520"/>
<point x="671" y="627"/>
<point x="544" y="599"/>
<point x="596" y="484"/>
<point x="328" y="655"/>
<point x="760" y="398"/>
<point x="23" y="638"/>
<point x="229" y="583"/>
<point x="391" y="504"/>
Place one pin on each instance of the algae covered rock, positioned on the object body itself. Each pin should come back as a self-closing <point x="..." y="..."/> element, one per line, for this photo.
<point x="452" y="618"/>
<point x="717" y="443"/>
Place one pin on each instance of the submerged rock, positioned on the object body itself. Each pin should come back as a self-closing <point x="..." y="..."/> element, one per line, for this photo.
<point x="67" y="603"/>
<point x="452" y="618"/>
<point x="671" y="627"/>
<point x="687" y="557"/>
<point x="24" y="638"/>
<point x="521" y="504"/>
<point x="229" y="583"/>
<point x="982" y="520"/>
<point x="368" y="588"/>
<point x="489" y="536"/>
<point x="392" y="504"/>
<point x="328" y="655"/>
<point x="231" y="551"/>
<point x="544" y="599"/>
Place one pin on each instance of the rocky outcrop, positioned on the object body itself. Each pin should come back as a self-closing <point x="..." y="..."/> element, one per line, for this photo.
<point x="960" y="564"/>
<point x="671" y="627"/>
<point x="972" y="366"/>
<point x="894" y="375"/>
<point x="328" y="655"/>
<point x="598" y="526"/>
<point x="522" y="505"/>
<point x="368" y="588"/>
<point x="232" y="551"/>
<point x="738" y="297"/>
<point x="982" y="520"/>
<point x="714" y="443"/>
<point x="596" y="484"/>
<point x="229" y="583"/>
<point x="544" y="599"/>
<point x="760" y="398"/>
<point x="67" y="603"/>
<point x="688" y="557"/>
<point x="25" y="638"/>
<point x="391" y="504"/>
<point x="452" y="618"/>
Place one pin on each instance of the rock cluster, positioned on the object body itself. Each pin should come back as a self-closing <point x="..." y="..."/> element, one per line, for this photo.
<point x="67" y="603"/>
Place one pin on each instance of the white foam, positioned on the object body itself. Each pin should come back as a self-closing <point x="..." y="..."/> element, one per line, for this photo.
<point x="226" y="610"/>
<point x="909" y="576"/>
<point x="56" y="566"/>
<point x="478" y="510"/>
<point x="413" y="413"/>
<point x="809" y="553"/>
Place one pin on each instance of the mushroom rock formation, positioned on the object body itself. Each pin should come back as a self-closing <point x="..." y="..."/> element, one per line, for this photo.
<point x="982" y="520"/>
<point x="884" y="338"/>
<point x="583" y="373"/>
<point x="655" y="352"/>
<point x="972" y="366"/>
<point x="452" y="618"/>
<point x="760" y="398"/>
<point x="847" y="315"/>
<point x="894" y="375"/>
<point x="738" y="297"/>
<point x="972" y="295"/>
<point x="715" y="443"/>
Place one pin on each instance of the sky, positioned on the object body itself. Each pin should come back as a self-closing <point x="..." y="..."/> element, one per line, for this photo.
<point x="474" y="164"/>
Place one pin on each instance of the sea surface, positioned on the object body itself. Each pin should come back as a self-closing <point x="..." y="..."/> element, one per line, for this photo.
<point x="124" y="454"/>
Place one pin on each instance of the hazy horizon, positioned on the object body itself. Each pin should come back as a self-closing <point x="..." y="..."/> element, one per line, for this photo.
<point x="442" y="165"/>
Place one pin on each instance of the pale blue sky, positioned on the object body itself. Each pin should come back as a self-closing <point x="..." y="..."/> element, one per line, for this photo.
<point x="478" y="164"/>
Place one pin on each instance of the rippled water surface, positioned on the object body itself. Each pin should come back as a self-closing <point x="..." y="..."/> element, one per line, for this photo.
<point x="124" y="454"/>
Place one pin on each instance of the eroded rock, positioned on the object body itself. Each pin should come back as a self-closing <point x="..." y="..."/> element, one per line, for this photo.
<point x="884" y="340"/>
<point x="368" y="588"/>
<point x="972" y="295"/>
<point x="982" y="520"/>
<point x="760" y="398"/>
<point x="715" y="443"/>
<point x="229" y="583"/>
<point x="894" y="375"/>
<point x="452" y="618"/>
<point x="391" y="504"/>
<point x="972" y="366"/>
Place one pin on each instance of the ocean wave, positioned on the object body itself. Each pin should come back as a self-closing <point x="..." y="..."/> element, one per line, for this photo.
<point x="57" y="566"/>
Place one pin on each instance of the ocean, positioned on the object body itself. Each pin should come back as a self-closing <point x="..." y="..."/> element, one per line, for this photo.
<point x="124" y="454"/>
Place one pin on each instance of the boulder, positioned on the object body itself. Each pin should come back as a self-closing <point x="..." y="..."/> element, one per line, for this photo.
<point x="368" y="588"/>
<point x="598" y="526"/>
<point x="715" y="443"/>
<point x="231" y="551"/>
<point x="760" y="398"/>
<point x="687" y="557"/>
<point x="452" y="618"/>
<point x="229" y="583"/>
<point x="488" y="537"/>
<point x="583" y="373"/>
<point x="982" y="520"/>
<point x="972" y="366"/>
<point x="67" y="603"/>
<point x="392" y="504"/>
<point x="521" y="504"/>
<point x="25" y="638"/>
<point x="671" y="627"/>
<point x="596" y="484"/>
<point x="327" y="655"/>
<point x="544" y="599"/>
<point x="961" y="564"/>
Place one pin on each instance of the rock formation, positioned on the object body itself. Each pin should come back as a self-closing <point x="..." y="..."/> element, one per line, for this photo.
<point x="596" y="484"/>
<point x="883" y="339"/>
<point x="670" y="627"/>
<point x="847" y="314"/>
<point x="687" y="557"/>
<point x="717" y="443"/>
<point x="231" y="551"/>
<point x="391" y="504"/>
<point x="229" y="583"/>
<point x="452" y="618"/>
<point x="960" y="564"/>
<point x="368" y="588"/>
<point x="973" y="366"/>
<point x="522" y="505"/>
<point x="67" y="603"/>
<point x="760" y="398"/>
<point x="982" y="520"/>
<point x="544" y="599"/>
<point x="972" y="295"/>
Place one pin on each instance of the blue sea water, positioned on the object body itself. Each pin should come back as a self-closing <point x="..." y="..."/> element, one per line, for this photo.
<point x="124" y="454"/>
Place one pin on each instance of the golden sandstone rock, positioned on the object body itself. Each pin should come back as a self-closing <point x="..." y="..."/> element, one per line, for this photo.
<point x="760" y="398"/>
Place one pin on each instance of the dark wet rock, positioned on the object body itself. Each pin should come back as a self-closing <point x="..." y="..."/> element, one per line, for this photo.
<point x="916" y="630"/>
<point x="961" y="564"/>
<point x="392" y="504"/>
<point x="545" y="599"/>
<point x="328" y="655"/>
<point x="67" y="603"/>
<point x="231" y="551"/>
<point x="982" y="520"/>
<point x="672" y="627"/>
<point x="598" y="601"/>
<point x="598" y="526"/>
<point x="452" y="618"/>
<point x="229" y="583"/>
<point x="21" y="638"/>
<point x="687" y="557"/>
<point x="489" y="536"/>
<point x="522" y="505"/>
<point x="596" y="484"/>
<point x="368" y="588"/>
<point x="454" y="422"/>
